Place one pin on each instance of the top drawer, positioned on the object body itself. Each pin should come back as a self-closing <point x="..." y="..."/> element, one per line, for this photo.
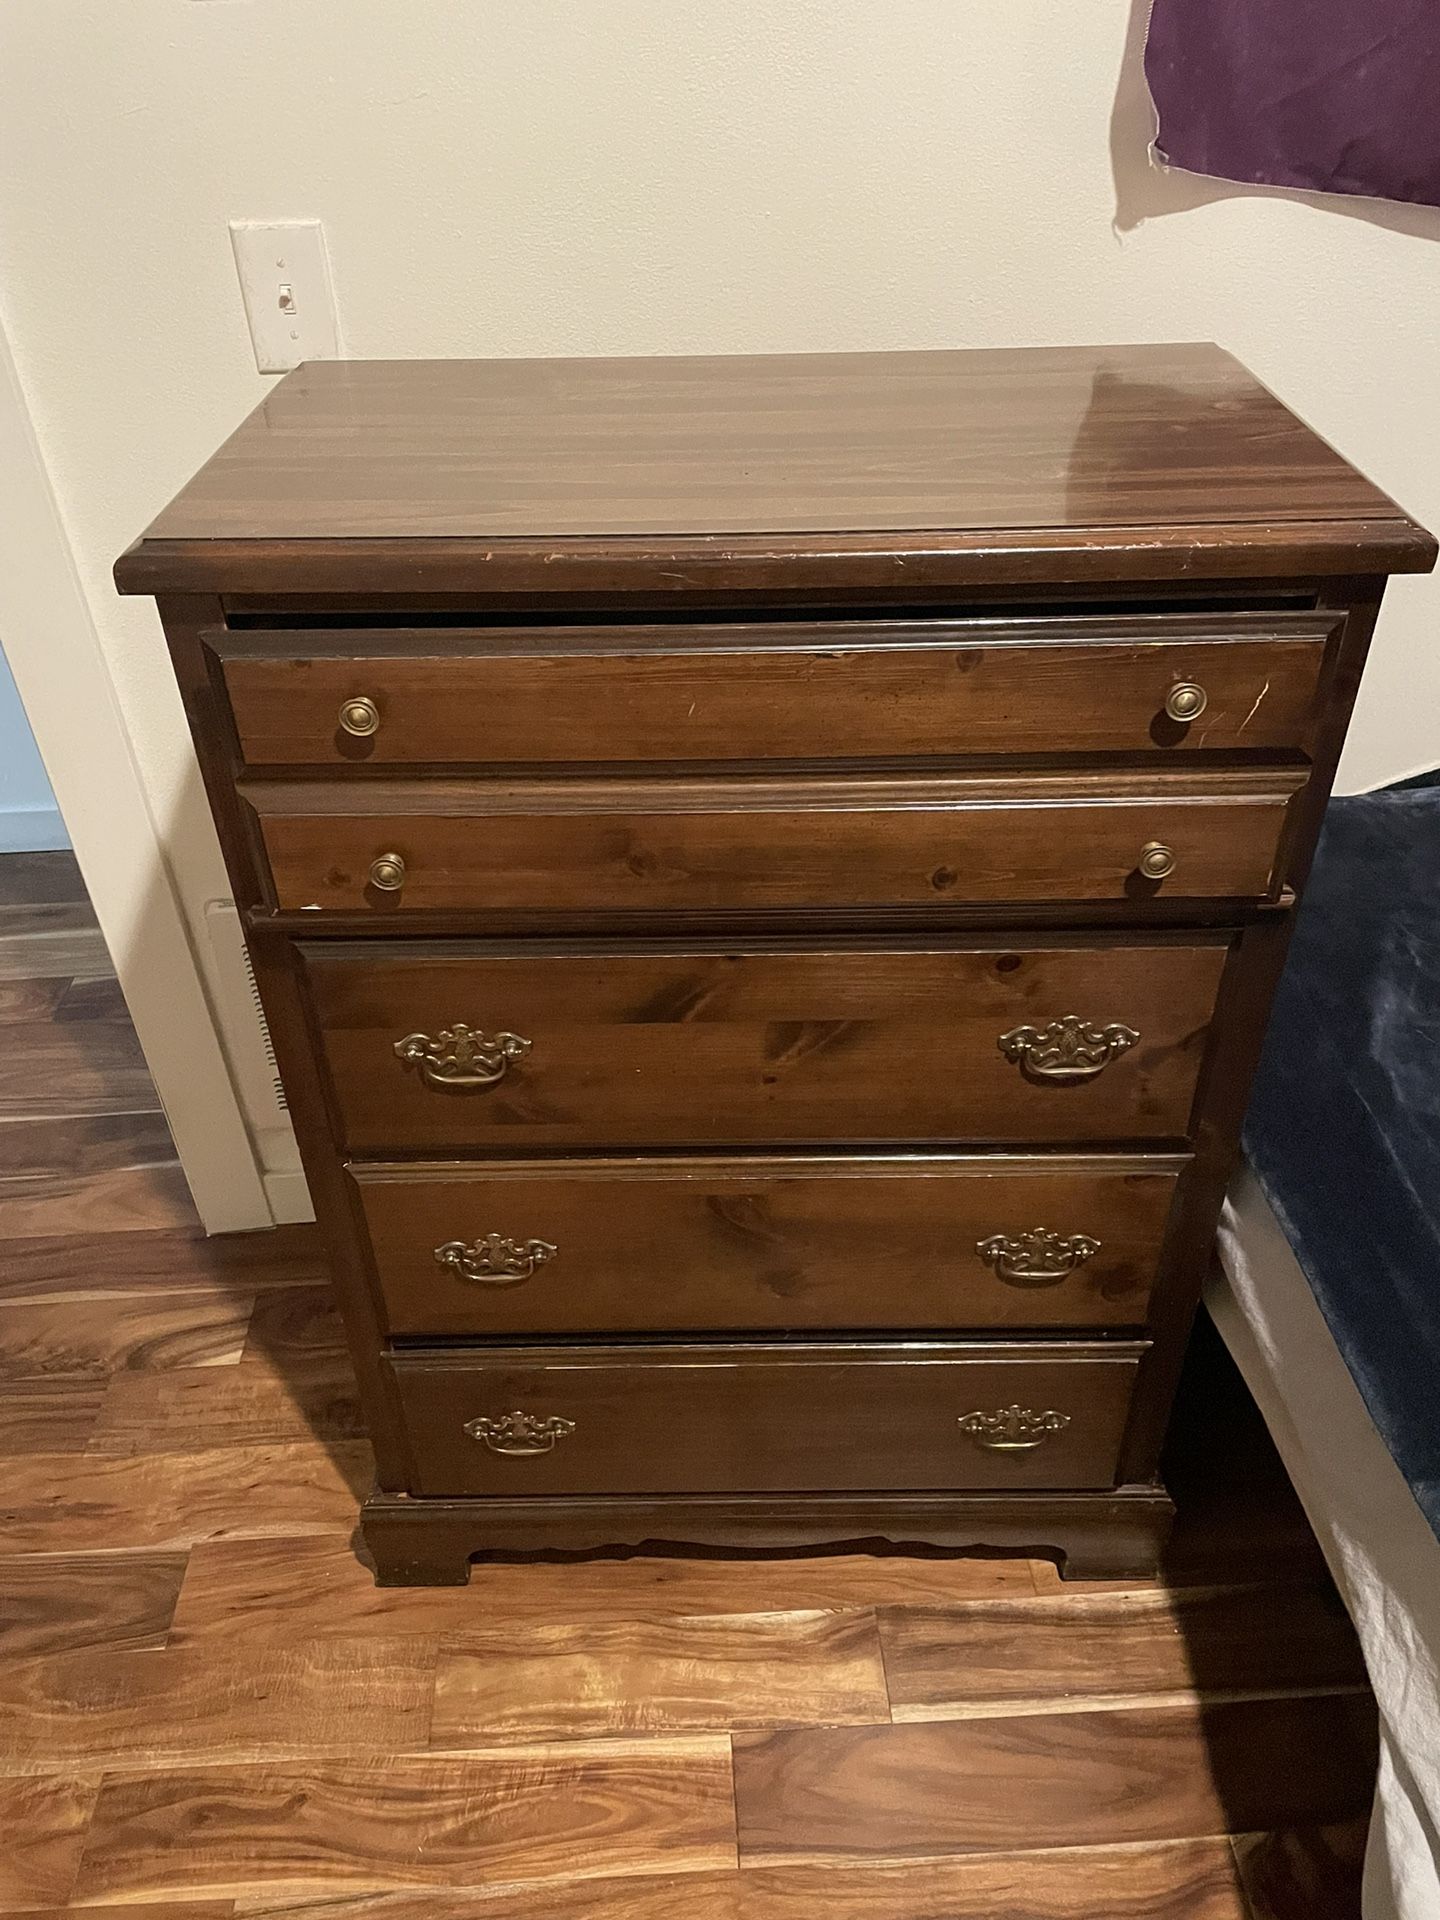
<point x="803" y="690"/>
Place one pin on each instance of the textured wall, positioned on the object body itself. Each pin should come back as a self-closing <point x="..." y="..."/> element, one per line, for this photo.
<point x="646" y="176"/>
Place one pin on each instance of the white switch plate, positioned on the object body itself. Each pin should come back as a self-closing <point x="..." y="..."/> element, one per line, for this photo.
<point x="285" y="278"/>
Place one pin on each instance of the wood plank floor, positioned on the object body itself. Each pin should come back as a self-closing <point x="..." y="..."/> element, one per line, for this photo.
<point x="208" y="1710"/>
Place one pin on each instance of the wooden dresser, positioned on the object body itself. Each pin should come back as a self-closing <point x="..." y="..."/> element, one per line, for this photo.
<point x="766" y="878"/>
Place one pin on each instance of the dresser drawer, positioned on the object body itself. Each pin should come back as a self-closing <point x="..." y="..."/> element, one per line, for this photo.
<point x="469" y="1047"/>
<point x="803" y="690"/>
<point x="764" y="1419"/>
<point x="562" y="847"/>
<point x="820" y="1244"/>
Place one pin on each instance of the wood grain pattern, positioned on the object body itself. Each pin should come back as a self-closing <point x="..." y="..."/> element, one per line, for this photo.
<point x="990" y="1655"/>
<point x="805" y="1241"/>
<point x="740" y="845"/>
<point x="53" y="1414"/>
<point x="759" y="1418"/>
<point x="298" y="1588"/>
<point x="762" y="1044"/>
<point x="819" y="691"/>
<point x="829" y="570"/>
<point x="49" y="878"/>
<point x="294" y="1380"/>
<point x="134" y="1200"/>
<point x="1117" y="1531"/>
<point x="1125" y="468"/>
<point x="143" y="1910"/>
<point x="109" y="1172"/>
<point x="61" y="943"/>
<point x="298" y="1322"/>
<point x="99" y="998"/>
<point x="23" y="1002"/>
<point x="20" y="919"/>
<point x="540" y="453"/>
<point x="205" y="1328"/>
<point x="44" y="1822"/>
<point x="123" y="1709"/>
<point x="548" y="1814"/>
<point x="1305" y="1873"/>
<point x="618" y="1676"/>
<point x="71" y="1602"/>
<point x="58" y="1503"/>
<point x="280" y="1643"/>
<point x="253" y="1403"/>
<point x="97" y="1266"/>
<point x="60" y="1071"/>
<point x="1181" y="1880"/>
<point x="1131" y="1775"/>
<point x="37" y="1154"/>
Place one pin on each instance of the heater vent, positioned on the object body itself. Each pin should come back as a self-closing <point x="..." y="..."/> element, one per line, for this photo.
<point x="243" y="1029"/>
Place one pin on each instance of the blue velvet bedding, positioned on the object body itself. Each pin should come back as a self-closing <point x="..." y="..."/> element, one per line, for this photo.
<point x="1344" y="1124"/>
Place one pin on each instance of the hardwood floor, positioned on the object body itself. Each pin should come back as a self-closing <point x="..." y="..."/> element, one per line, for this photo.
<point x="207" y="1709"/>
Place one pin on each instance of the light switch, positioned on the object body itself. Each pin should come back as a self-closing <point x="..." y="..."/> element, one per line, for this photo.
<point x="285" y="279"/>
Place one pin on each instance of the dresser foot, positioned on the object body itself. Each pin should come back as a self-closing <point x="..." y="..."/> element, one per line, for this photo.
<point x="420" y="1542"/>
<point x="415" y="1549"/>
<point x="1125" y="1544"/>
<point x="1117" y="1536"/>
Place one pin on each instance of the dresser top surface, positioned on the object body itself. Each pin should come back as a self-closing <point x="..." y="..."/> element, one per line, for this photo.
<point x="1085" y="447"/>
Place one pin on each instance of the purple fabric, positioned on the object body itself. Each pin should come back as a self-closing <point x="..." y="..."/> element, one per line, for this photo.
<point x="1341" y="96"/>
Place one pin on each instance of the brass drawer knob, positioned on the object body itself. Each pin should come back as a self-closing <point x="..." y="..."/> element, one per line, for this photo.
<point x="1038" y="1258"/>
<point x="1157" y="861"/>
<point x="1068" y="1050"/>
<point x="520" y="1434"/>
<point x="1012" y="1429"/>
<point x="495" y="1261"/>
<point x="360" y="717"/>
<point x="462" y="1056"/>
<point x="1186" y="701"/>
<point x="387" y="873"/>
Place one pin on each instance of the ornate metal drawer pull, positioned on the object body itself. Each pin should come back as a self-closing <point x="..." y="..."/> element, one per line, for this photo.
<point x="462" y="1056"/>
<point x="1012" y="1429"/>
<point x="1038" y="1258"/>
<point x="360" y="717"/>
<point x="1157" y="861"/>
<point x="1186" y="701"/>
<point x="1068" y="1049"/>
<point x="495" y="1261"/>
<point x="520" y="1434"/>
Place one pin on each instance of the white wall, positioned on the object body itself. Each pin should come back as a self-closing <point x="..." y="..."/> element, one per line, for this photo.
<point x="648" y="176"/>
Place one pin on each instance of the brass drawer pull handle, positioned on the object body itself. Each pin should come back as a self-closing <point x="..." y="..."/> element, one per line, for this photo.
<point x="1037" y="1258"/>
<point x="387" y="873"/>
<point x="494" y="1261"/>
<point x="462" y="1056"/>
<point x="1068" y="1050"/>
<point x="1012" y="1429"/>
<point x="1157" y="861"/>
<point x="520" y="1434"/>
<point x="360" y="718"/>
<point x="1186" y="701"/>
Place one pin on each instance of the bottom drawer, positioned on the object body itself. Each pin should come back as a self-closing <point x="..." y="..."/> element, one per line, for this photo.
<point x="764" y="1418"/>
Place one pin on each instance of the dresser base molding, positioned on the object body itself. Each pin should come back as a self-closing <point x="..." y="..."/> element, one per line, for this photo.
<point x="1120" y="1534"/>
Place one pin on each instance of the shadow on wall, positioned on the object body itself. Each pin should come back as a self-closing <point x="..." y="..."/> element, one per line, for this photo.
<point x="1145" y="189"/>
